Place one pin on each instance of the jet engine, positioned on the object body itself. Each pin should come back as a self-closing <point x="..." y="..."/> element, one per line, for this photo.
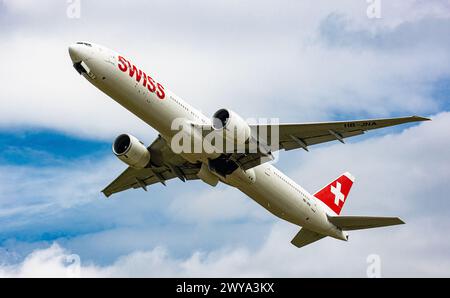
<point x="131" y="151"/>
<point x="236" y="129"/>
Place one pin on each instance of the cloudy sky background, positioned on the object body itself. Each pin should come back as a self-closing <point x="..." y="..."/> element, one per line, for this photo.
<point x="299" y="61"/>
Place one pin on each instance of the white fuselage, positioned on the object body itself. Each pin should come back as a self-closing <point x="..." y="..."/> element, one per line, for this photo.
<point x="271" y="189"/>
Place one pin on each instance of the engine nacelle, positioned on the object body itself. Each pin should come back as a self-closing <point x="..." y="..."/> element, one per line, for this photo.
<point x="131" y="151"/>
<point x="236" y="129"/>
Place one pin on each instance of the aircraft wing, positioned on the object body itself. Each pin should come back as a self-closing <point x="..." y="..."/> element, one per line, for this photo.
<point x="294" y="136"/>
<point x="303" y="135"/>
<point x="165" y="165"/>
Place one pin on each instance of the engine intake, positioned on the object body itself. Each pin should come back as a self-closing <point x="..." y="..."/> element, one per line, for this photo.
<point x="131" y="151"/>
<point x="236" y="129"/>
<point x="221" y="118"/>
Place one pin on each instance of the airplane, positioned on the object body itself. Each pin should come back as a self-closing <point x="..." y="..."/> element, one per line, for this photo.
<point x="317" y="215"/>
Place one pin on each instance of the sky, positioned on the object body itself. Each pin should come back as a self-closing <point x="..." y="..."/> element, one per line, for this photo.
<point x="298" y="61"/>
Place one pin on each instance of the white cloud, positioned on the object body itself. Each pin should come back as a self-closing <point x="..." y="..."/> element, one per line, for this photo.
<point x="396" y="173"/>
<point x="42" y="89"/>
<point x="218" y="56"/>
<point x="275" y="258"/>
<point x="315" y="61"/>
<point x="220" y="204"/>
<point x="404" y="174"/>
<point x="27" y="189"/>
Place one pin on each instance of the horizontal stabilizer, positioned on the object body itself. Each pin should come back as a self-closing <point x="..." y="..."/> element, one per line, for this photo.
<point x="305" y="237"/>
<point x="348" y="223"/>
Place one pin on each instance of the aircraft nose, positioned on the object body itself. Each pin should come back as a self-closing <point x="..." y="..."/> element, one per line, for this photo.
<point x="74" y="53"/>
<point x="79" y="52"/>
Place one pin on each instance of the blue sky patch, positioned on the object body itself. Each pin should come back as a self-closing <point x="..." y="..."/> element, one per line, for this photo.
<point x="46" y="148"/>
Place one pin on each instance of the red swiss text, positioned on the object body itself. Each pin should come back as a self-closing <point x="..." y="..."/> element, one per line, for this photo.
<point x="139" y="75"/>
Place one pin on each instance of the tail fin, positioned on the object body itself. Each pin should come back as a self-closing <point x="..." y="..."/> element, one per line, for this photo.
<point x="335" y="194"/>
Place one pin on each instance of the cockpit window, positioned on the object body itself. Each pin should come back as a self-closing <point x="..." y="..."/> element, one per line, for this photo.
<point x="84" y="43"/>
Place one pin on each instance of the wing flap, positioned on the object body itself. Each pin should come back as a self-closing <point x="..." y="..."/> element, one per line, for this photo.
<point x="348" y="223"/>
<point x="318" y="139"/>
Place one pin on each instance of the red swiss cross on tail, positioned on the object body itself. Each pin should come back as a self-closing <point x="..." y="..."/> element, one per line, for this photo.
<point x="335" y="193"/>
